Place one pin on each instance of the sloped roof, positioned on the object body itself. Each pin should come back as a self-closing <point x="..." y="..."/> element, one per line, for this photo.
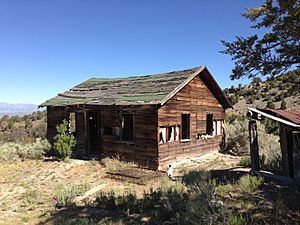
<point x="291" y="116"/>
<point x="136" y="90"/>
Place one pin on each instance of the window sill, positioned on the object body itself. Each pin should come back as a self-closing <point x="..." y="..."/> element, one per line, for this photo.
<point x="206" y="136"/>
<point x="185" y="140"/>
<point x="169" y="142"/>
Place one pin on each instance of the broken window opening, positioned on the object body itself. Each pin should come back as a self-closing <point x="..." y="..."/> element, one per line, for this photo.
<point x="168" y="134"/>
<point x="185" y="126"/>
<point x="71" y="122"/>
<point x="209" y="124"/>
<point x="127" y="127"/>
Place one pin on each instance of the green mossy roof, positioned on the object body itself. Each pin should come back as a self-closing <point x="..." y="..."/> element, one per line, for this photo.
<point x="57" y="101"/>
<point x="149" y="89"/>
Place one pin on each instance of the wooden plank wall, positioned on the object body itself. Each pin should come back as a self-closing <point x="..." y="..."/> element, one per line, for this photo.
<point x="143" y="150"/>
<point x="55" y="115"/>
<point x="195" y="98"/>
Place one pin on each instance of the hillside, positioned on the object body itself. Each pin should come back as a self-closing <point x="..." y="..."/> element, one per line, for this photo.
<point x="274" y="92"/>
<point x="23" y="129"/>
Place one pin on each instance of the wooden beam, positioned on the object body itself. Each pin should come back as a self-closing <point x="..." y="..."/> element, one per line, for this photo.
<point x="254" y="148"/>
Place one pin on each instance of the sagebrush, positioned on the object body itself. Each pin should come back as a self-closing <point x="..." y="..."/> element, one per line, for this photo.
<point x="13" y="151"/>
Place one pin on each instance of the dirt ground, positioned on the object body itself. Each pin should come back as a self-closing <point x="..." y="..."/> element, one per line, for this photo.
<point x="28" y="187"/>
<point x="21" y="181"/>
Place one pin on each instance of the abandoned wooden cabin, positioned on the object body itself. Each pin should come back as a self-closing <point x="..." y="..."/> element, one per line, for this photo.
<point x="289" y="124"/>
<point x="153" y="120"/>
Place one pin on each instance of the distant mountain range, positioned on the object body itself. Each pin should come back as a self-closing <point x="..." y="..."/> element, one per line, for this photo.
<point x="16" y="109"/>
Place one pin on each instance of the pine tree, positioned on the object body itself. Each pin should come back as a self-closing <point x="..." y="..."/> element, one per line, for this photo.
<point x="64" y="141"/>
<point x="276" y="50"/>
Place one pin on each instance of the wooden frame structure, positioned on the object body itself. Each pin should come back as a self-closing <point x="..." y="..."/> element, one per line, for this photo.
<point x="155" y="102"/>
<point x="289" y="138"/>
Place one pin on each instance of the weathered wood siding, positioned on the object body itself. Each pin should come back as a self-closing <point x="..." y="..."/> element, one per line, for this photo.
<point x="143" y="149"/>
<point x="195" y="98"/>
<point x="55" y="115"/>
<point x="290" y="156"/>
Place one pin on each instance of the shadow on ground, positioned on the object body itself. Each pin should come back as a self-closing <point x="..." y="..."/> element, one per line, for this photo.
<point x="196" y="205"/>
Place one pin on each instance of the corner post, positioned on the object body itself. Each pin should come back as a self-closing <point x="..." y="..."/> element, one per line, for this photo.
<point x="254" y="148"/>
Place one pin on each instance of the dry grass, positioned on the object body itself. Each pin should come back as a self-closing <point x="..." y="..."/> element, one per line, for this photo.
<point x="28" y="187"/>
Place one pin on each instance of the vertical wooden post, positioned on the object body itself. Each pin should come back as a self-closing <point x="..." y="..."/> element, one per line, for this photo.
<point x="254" y="148"/>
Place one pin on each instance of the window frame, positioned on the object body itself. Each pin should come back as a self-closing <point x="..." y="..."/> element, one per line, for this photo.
<point x="122" y="128"/>
<point x="188" y="138"/>
<point x="212" y="124"/>
<point x="167" y="132"/>
<point x="69" y="122"/>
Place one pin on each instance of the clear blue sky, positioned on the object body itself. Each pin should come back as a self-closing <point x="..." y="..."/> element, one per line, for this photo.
<point x="48" y="46"/>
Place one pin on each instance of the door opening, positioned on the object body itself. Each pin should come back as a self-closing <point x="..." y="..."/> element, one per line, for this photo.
<point x="93" y="133"/>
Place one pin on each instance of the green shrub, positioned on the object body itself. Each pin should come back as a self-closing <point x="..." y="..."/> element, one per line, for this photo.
<point x="233" y="99"/>
<point x="67" y="192"/>
<point x="270" y="105"/>
<point x="237" y="140"/>
<point x="238" y="220"/>
<point x="237" y="137"/>
<point x="283" y="105"/>
<point x="247" y="184"/>
<point x="272" y="163"/>
<point x="245" y="161"/>
<point x="31" y="198"/>
<point x="13" y="151"/>
<point x="64" y="142"/>
<point x="189" y="202"/>
<point x="224" y="189"/>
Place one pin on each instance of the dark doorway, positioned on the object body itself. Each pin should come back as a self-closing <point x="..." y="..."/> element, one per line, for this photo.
<point x="93" y="133"/>
<point x="296" y="153"/>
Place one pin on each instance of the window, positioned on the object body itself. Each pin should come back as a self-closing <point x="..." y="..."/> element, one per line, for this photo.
<point x="185" y="126"/>
<point x="127" y="127"/>
<point x="168" y="134"/>
<point x="209" y="124"/>
<point x="72" y="122"/>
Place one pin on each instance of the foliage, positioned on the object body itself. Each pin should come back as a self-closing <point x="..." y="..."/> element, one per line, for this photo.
<point x="31" y="198"/>
<point x="114" y="163"/>
<point x="67" y="192"/>
<point x="233" y="99"/>
<point x="271" y="126"/>
<point x="270" y="105"/>
<point x="247" y="184"/>
<point x="245" y="161"/>
<point x="193" y="205"/>
<point x="23" y="129"/>
<point x="237" y="138"/>
<point x="64" y="141"/>
<point x="277" y="50"/>
<point x="237" y="143"/>
<point x="238" y="220"/>
<point x="13" y="151"/>
<point x="283" y="105"/>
